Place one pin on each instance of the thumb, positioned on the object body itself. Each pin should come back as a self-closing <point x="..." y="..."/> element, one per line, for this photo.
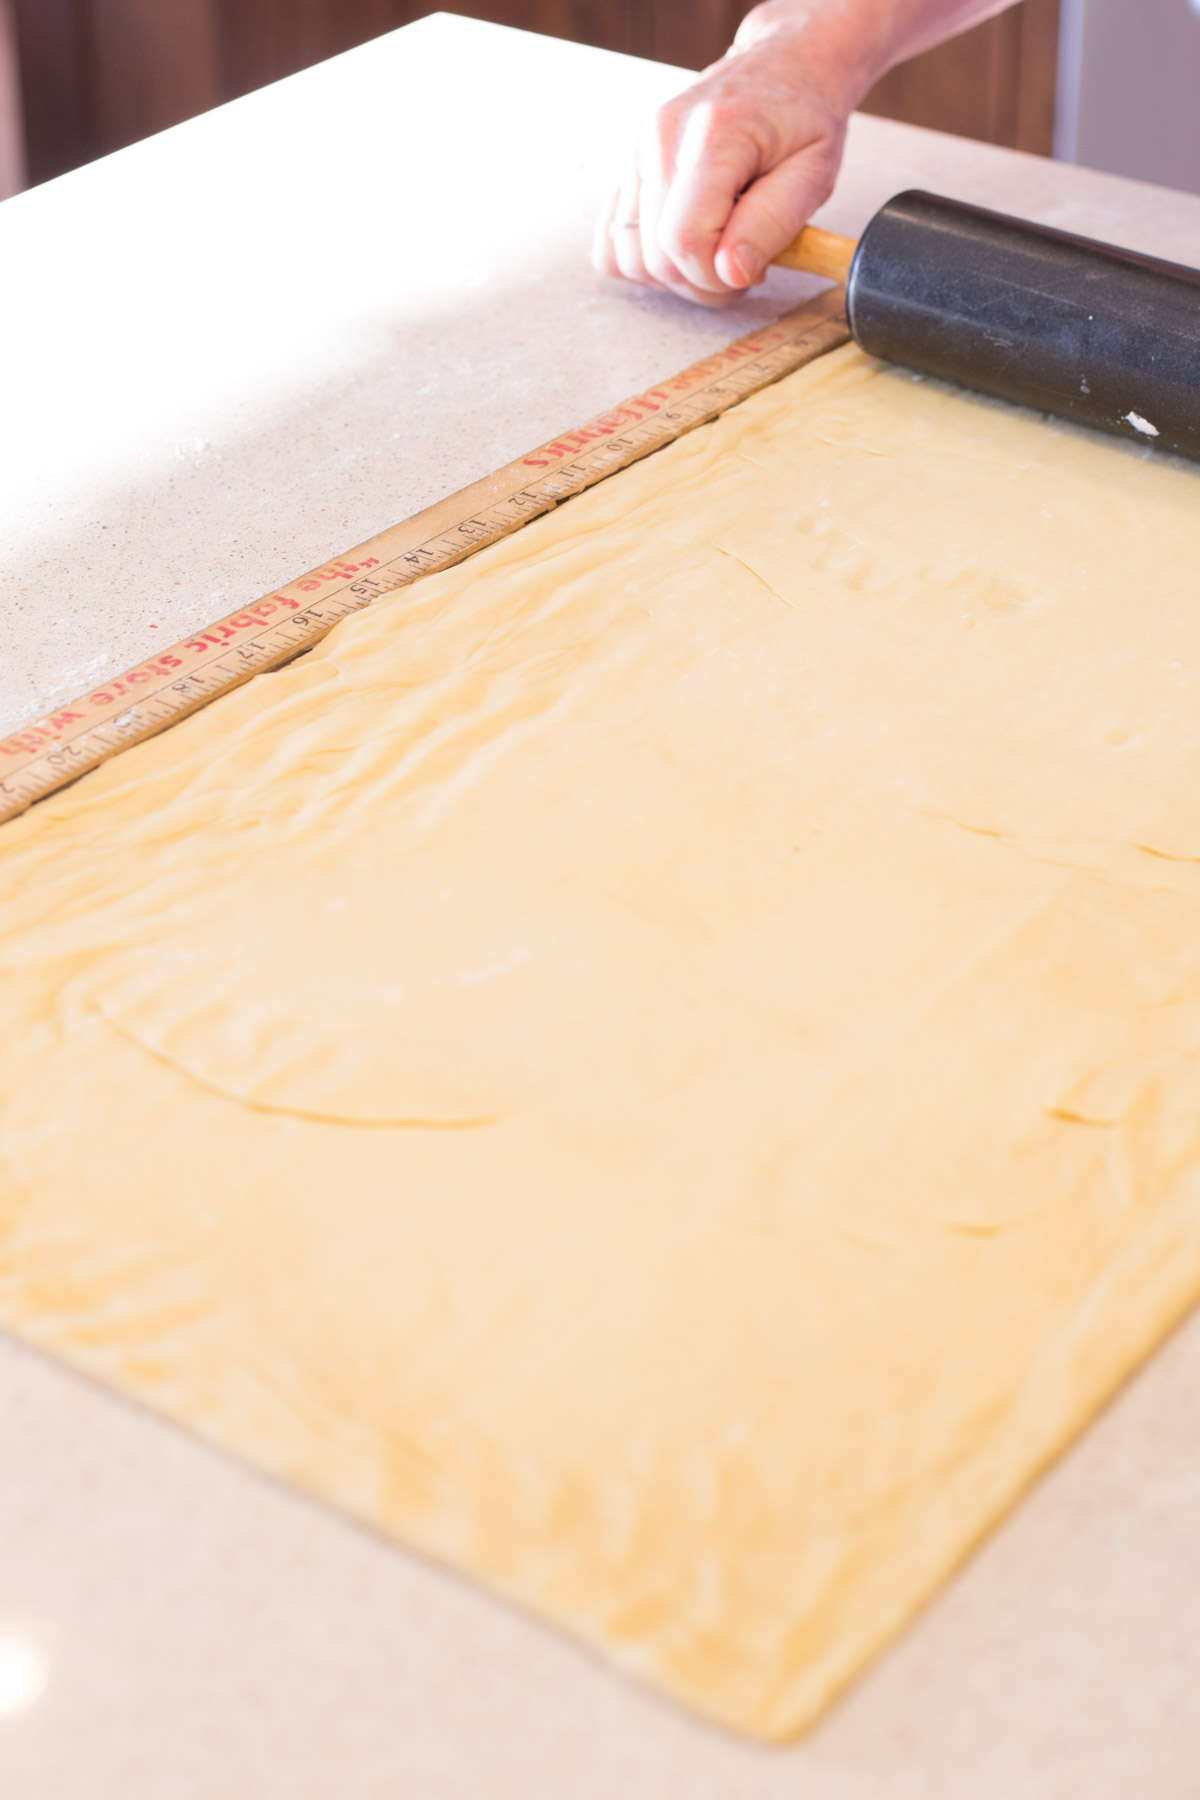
<point x="774" y="210"/>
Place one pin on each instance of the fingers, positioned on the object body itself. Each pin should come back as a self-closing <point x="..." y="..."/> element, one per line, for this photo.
<point x="655" y="167"/>
<point x="705" y="169"/>
<point x="604" y="259"/>
<point x="616" y="242"/>
<point x="773" y="211"/>
<point x="727" y="173"/>
<point x="625" y="243"/>
<point x="626" y="230"/>
<point x="665" y="225"/>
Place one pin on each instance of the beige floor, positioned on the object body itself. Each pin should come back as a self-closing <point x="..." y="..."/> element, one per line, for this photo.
<point x="234" y="352"/>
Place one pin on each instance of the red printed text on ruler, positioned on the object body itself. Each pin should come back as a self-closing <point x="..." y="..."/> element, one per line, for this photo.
<point x="204" y="645"/>
<point x="644" y="406"/>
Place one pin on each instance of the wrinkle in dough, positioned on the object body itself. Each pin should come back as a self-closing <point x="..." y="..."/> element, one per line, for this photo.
<point x="804" y="1047"/>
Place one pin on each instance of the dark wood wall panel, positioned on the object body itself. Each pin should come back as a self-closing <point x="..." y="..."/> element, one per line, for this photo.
<point x="98" y="74"/>
<point x="54" y="86"/>
<point x="150" y="64"/>
<point x="995" y="83"/>
<point x="692" y="33"/>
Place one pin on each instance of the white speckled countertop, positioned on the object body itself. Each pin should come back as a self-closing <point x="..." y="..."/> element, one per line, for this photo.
<point x="229" y="354"/>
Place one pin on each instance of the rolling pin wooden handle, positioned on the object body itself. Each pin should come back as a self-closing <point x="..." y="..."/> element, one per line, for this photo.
<point x="819" y="253"/>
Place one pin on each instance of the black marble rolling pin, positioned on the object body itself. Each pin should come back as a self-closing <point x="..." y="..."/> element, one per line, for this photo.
<point x="1102" y="336"/>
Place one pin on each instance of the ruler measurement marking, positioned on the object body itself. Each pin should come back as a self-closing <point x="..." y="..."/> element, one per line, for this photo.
<point x="77" y="737"/>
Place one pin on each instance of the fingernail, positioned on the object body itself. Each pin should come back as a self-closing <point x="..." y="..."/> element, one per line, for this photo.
<point x="747" y="263"/>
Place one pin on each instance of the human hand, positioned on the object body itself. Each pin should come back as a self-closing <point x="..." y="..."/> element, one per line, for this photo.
<point x="725" y="175"/>
<point x="728" y="173"/>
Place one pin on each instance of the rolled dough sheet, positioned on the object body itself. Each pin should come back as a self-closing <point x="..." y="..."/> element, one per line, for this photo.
<point x="662" y="1066"/>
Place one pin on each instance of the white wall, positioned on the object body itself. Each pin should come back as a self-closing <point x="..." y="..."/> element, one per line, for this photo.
<point x="1129" y="88"/>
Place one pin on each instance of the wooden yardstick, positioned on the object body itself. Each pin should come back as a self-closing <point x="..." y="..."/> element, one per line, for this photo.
<point x="72" y="739"/>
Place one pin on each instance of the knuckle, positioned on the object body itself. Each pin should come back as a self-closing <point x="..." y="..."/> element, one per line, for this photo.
<point x="721" y="114"/>
<point x="660" y="266"/>
<point x="664" y="129"/>
<point x="691" y="240"/>
<point x="689" y="250"/>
